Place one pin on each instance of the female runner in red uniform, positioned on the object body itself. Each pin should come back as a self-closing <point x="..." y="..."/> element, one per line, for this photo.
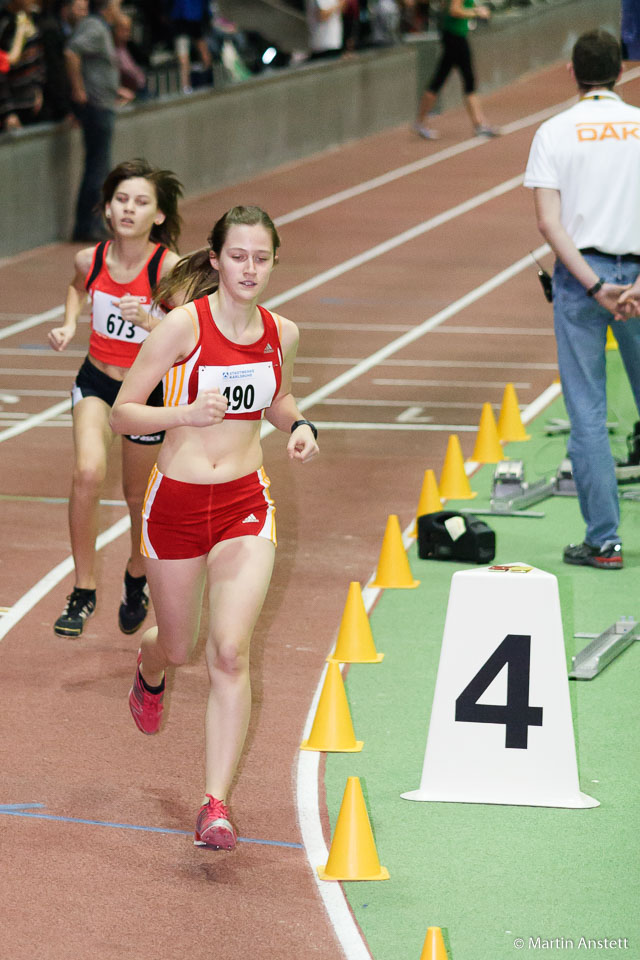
<point x="120" y="275"/>
<point x="226" y="363"/>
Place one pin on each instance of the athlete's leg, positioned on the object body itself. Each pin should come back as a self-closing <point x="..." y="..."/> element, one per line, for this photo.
<point x="176" y="589"/>
<point x="92" y="438"/>
<point x="239" y="575"/>
<point x="137" y="461"/>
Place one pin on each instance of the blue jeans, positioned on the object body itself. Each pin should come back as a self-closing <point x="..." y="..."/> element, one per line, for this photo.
<point x="97" y="133"/>
<point x="581" y="334"/>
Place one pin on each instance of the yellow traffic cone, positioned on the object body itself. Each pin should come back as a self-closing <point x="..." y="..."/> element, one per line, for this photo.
<point x="612" y="343"/>
<point x="332" y="729"/>
<point x="393" y="564"/>
<point x="429" y="501"/>
<point x="353" y="854"/>
<point x="355" y="640"/>
<point x="434" y="948"/>
<point x="510" y="427"/>
<point x="454" y="484"/>
<point x="488" y="448"/>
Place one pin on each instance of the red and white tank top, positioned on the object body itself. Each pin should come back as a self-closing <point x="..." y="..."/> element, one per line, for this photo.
<point x="248" y="374"/>
<point x="112" y="340"/>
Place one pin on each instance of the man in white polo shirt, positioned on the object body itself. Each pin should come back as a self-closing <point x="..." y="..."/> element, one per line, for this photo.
<point x="584" y="169"/>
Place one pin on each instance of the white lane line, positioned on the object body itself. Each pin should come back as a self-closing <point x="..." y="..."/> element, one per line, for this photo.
<point x="37" y="372"/>
<point x="33" y="596"/>
<point x="35" y="420"/>
<point x="395" y="425"/>
<point x="21" y="325"/>
<point x="440" y="404"/>
<point x="498" y="385"/>
<point x="448" y="364"/>
<point x="415" y="334"/>
<point x="387" y="245"/>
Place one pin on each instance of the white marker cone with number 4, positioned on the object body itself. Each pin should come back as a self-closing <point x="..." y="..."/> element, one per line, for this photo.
<point x="501" y="729"/>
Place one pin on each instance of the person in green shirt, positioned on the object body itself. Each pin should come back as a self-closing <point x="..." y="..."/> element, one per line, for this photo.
<point x="456" y="52"/>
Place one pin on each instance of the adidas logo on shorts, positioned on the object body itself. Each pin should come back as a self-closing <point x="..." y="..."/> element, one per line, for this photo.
<point x="251" y="519"/>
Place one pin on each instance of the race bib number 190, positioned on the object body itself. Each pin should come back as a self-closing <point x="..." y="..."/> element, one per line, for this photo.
<point x="247" y="387"/>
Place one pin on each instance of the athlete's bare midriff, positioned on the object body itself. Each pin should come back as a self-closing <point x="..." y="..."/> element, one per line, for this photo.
<point x="216" y="454"/>
<point x="116" y="373"/>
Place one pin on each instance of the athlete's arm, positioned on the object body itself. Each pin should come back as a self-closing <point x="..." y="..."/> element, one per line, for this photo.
<point x="75" y="300"/>
<point x="547" y="206"/>
<point x="170" y="342"/>
<point x="460" y="12"/>
<point x="284" y="411"/>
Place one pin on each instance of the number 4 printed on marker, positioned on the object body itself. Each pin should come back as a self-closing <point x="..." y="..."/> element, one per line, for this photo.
<point x="517" y="715"/>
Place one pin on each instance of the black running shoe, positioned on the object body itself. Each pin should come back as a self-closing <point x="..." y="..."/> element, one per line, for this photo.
<point x="135" y="603"/>
<point x="81" y="605"/>
<point x="606" y="557"/>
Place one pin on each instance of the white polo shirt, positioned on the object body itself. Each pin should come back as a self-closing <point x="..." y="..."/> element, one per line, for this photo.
<point x="324" y="34"/>
<point x="590" y="153"/>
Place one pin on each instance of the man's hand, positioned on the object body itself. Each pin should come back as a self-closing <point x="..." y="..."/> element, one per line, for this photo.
<point x="609" y="295"/>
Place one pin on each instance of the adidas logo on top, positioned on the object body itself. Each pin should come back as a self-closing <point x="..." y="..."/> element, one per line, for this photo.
<point x="268" y="348"/>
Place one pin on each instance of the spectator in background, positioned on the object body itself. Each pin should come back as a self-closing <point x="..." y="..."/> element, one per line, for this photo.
<point x="190" y="25"/>
<point x="21" y="83"/>
<point x="456" y="52"/>
<point x="56" y="27"/>
<point x="94" y="75"/>
<point x="326" y="31"/>
<point x="132" y="75"/>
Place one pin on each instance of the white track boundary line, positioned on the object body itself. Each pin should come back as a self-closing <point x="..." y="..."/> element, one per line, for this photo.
<point x="335" y="900"/>
<point x="36" y="419"/>
<point x="33" y="596"/>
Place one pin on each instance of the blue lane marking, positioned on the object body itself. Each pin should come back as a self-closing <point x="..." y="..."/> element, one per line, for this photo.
<point x="17" y="810"/>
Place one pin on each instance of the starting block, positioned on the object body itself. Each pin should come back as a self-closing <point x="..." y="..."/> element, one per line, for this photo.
<point x="511" y="494"/>
<point x="604" y="648"/>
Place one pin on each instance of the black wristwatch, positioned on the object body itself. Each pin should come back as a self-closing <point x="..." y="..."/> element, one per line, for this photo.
<point x="591" y="292"/>
<point x="299" y="423"/>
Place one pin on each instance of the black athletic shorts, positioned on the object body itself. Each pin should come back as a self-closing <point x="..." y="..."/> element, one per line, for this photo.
<point x="92" y="382"/>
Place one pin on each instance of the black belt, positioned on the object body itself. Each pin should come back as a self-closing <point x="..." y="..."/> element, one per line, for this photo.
<point x="625" y="257"/>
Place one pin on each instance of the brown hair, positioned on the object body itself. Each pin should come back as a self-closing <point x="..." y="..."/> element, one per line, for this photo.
<point x="596" y="59"/>
<point x="168" y="190"/>
<point x="193" y="276"/>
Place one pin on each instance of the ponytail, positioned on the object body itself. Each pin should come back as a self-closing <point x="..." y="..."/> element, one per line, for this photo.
<point x="191" y="278"/>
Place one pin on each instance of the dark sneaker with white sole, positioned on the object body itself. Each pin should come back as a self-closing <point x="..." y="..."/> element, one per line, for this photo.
<point x="606" y="557"/>
<point x="81" y="605"/>
<point x="134" y="604"/>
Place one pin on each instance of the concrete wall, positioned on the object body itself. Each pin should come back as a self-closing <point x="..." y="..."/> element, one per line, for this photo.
<point x="214" y="138"/>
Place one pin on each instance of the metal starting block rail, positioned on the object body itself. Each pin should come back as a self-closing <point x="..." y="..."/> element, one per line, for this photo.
<point x="511" y="494"/>
<point x="604" y="648"/>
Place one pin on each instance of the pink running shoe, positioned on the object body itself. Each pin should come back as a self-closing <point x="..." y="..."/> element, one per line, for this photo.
<point x="213" y="828"/>
<point x="146" y="708"/>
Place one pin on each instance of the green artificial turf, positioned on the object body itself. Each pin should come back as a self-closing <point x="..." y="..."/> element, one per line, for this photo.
<point x="489" y="874"/>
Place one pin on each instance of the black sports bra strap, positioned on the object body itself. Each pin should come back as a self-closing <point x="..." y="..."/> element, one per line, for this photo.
<point x="98" y="260"/>
<point x="154" y="265"/>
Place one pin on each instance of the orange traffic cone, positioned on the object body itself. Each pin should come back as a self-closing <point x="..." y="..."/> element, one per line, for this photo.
<point x="353" y="854"/>
<point x="429" y="501"/>
<point x="454" y="484"/>
<point x="612" y="343"/>
<point x="488" y="448"/>
<point x="393" y="564"/>
<point x="332" y="729"/>
<point x="510" y="426"/>
<point x="355" y="640"/>
<point x="433" y="948"/>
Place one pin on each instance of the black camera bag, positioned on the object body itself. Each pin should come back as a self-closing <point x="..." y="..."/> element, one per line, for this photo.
<point x="477" y="544"/>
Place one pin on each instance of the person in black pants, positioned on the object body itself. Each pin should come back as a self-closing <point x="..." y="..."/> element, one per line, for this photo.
<point x="456" y="52"/>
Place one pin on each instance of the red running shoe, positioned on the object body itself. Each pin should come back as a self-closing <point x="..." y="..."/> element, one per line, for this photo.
<point x="213" y="828"/>
<point x="146" y="708"/>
